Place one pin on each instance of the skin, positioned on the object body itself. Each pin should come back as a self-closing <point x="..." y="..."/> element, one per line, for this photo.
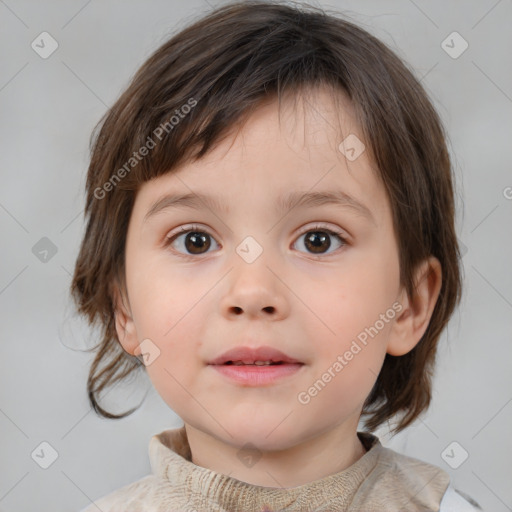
<point x="309" y="305"/>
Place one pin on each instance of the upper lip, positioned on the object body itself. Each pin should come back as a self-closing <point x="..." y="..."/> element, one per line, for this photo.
<point x="249" y="355"/>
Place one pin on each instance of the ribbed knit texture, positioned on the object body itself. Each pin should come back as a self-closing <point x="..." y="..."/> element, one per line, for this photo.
<point x="382" y="480"/>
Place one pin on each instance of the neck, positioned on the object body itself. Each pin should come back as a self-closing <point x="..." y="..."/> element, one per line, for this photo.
<point x="312" y="459"/>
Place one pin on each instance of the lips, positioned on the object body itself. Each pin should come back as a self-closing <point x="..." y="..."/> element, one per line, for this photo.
<point x="249" y="356"/>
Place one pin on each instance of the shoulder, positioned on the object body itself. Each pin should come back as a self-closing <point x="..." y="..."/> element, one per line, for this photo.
<point x="144" y="494"/>
<point x="434" y="479"/>
<point x="401" y="482"/>
<point x="455" y="501"/>
<point x="404" y="471"/>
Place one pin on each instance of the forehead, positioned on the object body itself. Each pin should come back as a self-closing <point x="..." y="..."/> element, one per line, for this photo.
<point x="303" y="143"/>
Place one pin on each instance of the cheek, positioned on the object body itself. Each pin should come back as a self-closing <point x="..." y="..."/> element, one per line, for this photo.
<point x="352" y="302"/>
<point x="174" y="372"/>
<point x="357" y="315"/>
<point x="341" y="389"/>
<point x="167" y="311"/>
<point x="163" y="293"/>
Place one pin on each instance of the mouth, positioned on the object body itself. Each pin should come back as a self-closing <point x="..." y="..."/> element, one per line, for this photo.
<point x="256" y="363"/>
<point x="259" y="373"/>
<point x="262" y="366"/>
<point x="260" y="356"/>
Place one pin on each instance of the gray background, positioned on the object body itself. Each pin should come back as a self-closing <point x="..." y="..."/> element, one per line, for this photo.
<point x="48" y="109"/>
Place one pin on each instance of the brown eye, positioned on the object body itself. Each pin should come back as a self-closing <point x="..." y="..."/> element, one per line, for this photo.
<point x="197" y="242"/>
<point x="318" y="240"/>
<point x="190" y="242"/>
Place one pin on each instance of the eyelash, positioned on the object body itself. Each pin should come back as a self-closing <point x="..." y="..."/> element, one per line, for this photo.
<point x="194" y="227"/>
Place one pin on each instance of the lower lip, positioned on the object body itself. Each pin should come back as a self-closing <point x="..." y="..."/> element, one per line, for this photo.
<point x="252" y="375"/>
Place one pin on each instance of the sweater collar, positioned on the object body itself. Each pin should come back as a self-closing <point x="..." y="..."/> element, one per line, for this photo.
<point x="171" y="460"/>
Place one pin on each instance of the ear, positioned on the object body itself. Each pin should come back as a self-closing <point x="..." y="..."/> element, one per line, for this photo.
<point x="413" y="320"/>
<point x="125" y="326"/>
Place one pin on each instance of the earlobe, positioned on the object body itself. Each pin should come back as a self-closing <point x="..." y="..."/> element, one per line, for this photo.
<point x="413" y="321"/>
<point x="125" y="326"/>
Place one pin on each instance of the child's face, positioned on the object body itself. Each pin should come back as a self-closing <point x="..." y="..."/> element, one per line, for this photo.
<point x="300" y="295"/>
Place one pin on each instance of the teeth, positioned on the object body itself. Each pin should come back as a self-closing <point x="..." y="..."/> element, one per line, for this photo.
<point x="256" y="363"/>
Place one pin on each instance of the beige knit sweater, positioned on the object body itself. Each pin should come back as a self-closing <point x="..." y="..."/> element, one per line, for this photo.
<point x="382" y="480"/>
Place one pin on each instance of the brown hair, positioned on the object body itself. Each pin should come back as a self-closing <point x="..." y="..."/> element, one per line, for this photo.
<point x="210" y="76"/>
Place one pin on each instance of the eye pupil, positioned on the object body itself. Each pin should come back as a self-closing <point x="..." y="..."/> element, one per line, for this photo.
<point x="316" y="239"/>
<point x="197" y="241"/>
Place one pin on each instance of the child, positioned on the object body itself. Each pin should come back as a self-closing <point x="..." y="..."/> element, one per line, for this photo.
<point x="243" y="144"/>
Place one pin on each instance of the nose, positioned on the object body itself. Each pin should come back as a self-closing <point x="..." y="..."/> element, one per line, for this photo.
<point x="256" y="291"/>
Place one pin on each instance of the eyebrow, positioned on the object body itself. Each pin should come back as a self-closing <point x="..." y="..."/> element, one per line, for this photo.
<point x="296" y="199"/>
